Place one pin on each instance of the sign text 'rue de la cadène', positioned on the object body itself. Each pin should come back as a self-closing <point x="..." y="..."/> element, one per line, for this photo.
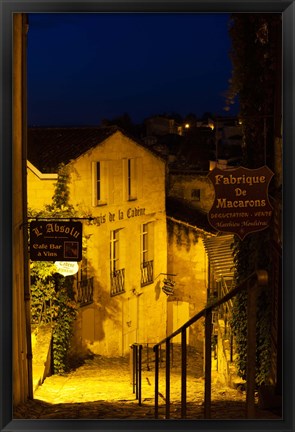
<point x="241" y="204"/>
<point x="55" y="241"/>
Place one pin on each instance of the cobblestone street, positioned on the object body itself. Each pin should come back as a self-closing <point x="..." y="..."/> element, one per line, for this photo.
<point x="102" y="389"/>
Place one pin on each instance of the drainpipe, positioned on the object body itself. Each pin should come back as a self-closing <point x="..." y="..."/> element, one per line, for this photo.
<point x="27" y="295"/>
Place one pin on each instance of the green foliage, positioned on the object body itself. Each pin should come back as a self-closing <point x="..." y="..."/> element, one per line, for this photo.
<point x="256" y="64"/>
<point x="251" y="254"/>
<point x="61" y="195"/>
<point x="256" y="60"/>
<point x="52" y="295"/>
<point x="42" y="293"/>
<point x="63" y="328"/>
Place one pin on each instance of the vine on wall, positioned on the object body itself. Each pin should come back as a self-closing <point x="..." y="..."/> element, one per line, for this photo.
<point x="256" y="60"/>
<point x="52" y="295"/>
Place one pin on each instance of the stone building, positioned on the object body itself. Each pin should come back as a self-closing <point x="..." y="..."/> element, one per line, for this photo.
<point x="187" y="258"/>
<point x="121" y="185"/>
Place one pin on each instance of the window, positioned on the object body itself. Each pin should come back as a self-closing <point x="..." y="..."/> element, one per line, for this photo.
<point x="100" y="182"/>
<point x="130" y="175"/>
<point x="117" y="273"/>
<point x="114" y="250"/>
<point x="196" y="194"/>
<point x="147" y="238"/>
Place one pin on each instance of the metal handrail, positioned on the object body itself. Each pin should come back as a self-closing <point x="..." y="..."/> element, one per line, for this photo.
<point x="255" y="280"/>
<point x="136" y="354"/>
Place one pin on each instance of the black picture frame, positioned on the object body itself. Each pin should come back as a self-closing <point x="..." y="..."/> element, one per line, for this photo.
<point x="7" y="8"/>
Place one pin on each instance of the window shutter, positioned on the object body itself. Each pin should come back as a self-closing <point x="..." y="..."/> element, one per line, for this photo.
<point x="104" y="181"/>
<point x="139" y="173"/>
<point x="151" y="240"/>
<point x="94" y="179"/>
<point x="110" y="182"/>
<point x="125" y="179"/>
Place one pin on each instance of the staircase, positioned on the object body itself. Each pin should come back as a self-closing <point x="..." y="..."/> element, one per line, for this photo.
<point x="252" y="285"/>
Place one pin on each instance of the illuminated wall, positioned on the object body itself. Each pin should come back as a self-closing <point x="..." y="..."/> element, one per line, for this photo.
<point x="122" y="186"/>
<point x="187" y="259"/>
<point x="40" y="187"/>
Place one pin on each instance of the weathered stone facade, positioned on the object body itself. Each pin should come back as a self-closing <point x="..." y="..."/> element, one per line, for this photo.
<point x="41" y="188"/>
<point x="187" y="259"/>
<point x="137" y="313"/>
<point x="195" y="188"/>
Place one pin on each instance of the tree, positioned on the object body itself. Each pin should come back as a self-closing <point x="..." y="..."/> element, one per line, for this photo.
<point x="255" y="55"/>
<point x="123" y="121"/>
<point x="256" y="60"/>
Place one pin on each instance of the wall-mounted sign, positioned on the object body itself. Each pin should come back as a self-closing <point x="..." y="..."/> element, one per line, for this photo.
<point x="55" y="241"/>
<point x="241" y="204"/>
<point x="67" y="268"/>
<point x="168" y="287"/>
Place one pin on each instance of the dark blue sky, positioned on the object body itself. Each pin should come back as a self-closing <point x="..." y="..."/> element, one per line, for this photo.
<point x="86" y="67"/>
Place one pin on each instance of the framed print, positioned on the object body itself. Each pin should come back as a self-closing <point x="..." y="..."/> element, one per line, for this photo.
<point x="147" y="215"/>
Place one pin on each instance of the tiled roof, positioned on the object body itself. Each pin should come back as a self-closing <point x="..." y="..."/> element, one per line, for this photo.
<point x="183" y="211"/>
<point x="48" y="147"/>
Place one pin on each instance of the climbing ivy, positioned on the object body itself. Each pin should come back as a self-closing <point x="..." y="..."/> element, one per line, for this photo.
<point x="251" y="254"/>
<point x="63" y="329"/>
<point x="256" y="62"/>
<point x="52" y="295"/>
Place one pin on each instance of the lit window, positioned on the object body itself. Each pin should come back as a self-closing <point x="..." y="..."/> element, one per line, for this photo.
<point x="147" y="246"/>
<point x="117" y="273"/>
<point x="100" y="182"/>
<point x="114" y="250"/>
<point x="130" y="179"/>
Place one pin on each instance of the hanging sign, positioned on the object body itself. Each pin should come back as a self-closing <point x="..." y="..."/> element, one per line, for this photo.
<point x="55" y="241"/>
<point x="241" y="205"/>
<point x="168" y="287"/>
<point x="66" y="268"/>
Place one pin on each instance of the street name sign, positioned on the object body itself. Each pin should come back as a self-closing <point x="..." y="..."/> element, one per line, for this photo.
<point x="241" y="205"/>
<point x="55" y="241"/>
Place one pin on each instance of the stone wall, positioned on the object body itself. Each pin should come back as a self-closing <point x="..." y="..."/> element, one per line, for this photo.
<point x="186" y="186"/>
<point x="40" y="187"/>
<point x="187" y="259"/>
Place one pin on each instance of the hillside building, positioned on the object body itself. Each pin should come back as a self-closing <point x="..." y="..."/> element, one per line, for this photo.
<point x="121" y="185"/>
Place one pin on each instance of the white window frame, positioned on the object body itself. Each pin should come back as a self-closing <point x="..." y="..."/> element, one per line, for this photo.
<point x="130" y="173"/>
<point x="100" y="176"/>
<point x="147" y="242"/>
<point x="115" y="250"/>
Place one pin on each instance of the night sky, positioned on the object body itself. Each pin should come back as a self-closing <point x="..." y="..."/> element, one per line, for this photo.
<point x="83" y="68"/>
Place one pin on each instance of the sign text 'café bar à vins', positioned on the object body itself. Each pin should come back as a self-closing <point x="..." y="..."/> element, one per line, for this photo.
<point x="241" y="204"/>
<point x="55" y="241"/>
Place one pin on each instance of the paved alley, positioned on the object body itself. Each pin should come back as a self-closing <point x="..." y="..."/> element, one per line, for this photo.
<point x="102" y="389"/>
